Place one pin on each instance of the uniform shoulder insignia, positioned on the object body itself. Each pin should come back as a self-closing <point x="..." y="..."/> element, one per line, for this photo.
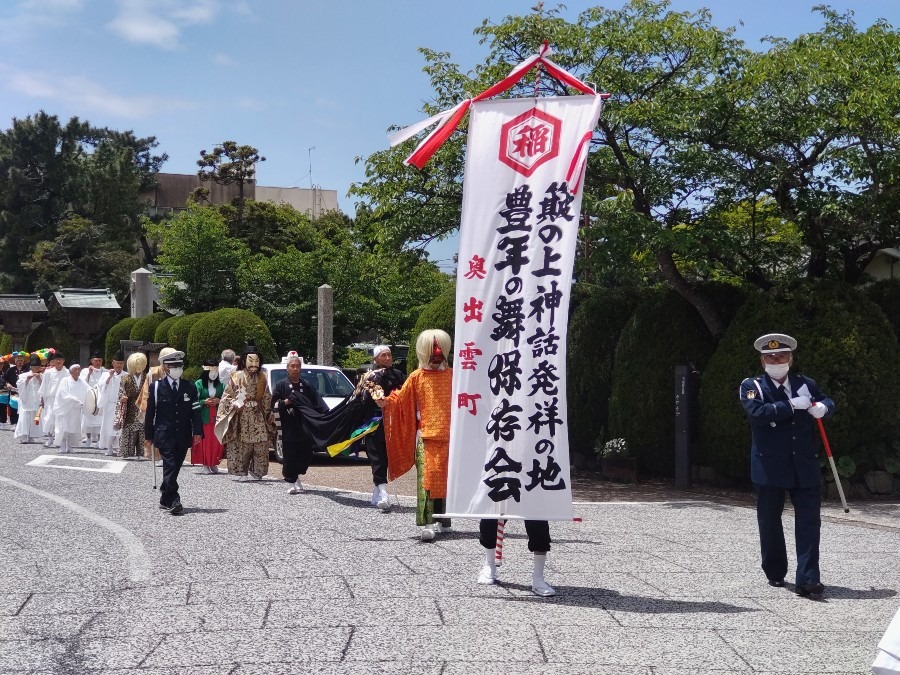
<point x="751" y="393"/>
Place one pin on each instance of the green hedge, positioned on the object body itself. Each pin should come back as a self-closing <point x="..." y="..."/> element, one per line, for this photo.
<point x="144" y="329"/>
<point x="664" y="332"/>
<point x="161" y="334"/>
<point x="53" y="334"/>
<point x="845" y="343"/>
<point x="594" y="330"/>
<point x="181" y="328"/>
<point x="6" y="344"/>
<point x="226" y="328"/>
<point x="886" y="294"/>
<point x="114" y="336"/>
<point x="439" y="313"/>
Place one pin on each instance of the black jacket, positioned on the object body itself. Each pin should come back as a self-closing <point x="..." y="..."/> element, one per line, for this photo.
<point x="173" y="416"/>
<point x="288" y="399"/>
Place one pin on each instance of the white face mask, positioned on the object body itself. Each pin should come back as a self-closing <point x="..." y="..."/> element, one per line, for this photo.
<point x="214" y="373"/>
<point x="175" y="373"/>
<point x="777" y="370"/>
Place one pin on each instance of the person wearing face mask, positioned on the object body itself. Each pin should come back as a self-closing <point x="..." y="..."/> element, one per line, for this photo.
<point x="209" y="451"/>
<point x="242" y="421"/>
<point x="172" y="424"/>
<point x="782" y="408"/>
<point x="423" y="404"/>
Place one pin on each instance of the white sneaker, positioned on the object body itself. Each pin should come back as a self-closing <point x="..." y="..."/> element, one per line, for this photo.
<point x="427" y="533"/>
<point x="384" y="499"/>
<point x="48" y="443"/>
<point x="375" y="496"/>
<point x="214" y="469"/>
<point x="296" y="488"/>
<point x="542" y="588"/>
<point x="488" y="575"/>
<point x="254" y="476"/>
<point x="442" y="529"/>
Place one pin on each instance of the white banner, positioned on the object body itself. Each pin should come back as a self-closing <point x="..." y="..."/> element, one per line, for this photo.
<point x="509" y="450"/>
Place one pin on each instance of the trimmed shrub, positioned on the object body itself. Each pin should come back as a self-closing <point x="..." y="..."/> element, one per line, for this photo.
<point x="439" y="313"/>
<point x="664" y="332"/>
<point x="181" y="328"/>
<point x="594" y="330"/>
<point x="117" y="332"/>
<point x="53" y="334"/>
<point x="226" y="328"/>
<point x="844" y="342"/>
<point x="161" y="334"/>
<point x="886" y="294"/>
<point x="6" y="344"/>
<point x="192" y="373"/>
<point x="144" y="329"/>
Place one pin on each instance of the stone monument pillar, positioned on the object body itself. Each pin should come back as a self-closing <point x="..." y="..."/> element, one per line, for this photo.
<point x="325" y="326"/>
<point x="143" y="293"/>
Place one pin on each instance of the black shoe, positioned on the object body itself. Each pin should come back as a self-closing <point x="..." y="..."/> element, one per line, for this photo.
<point x="163" y="507"/>
<point x="777" y="583"/>
<point x="176" y="508"/>
<point x="807" y="590"/>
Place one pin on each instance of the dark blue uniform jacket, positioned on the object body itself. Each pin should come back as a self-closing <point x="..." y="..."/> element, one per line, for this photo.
<point x="785" y="450"/>
<point x="173" y="415"/>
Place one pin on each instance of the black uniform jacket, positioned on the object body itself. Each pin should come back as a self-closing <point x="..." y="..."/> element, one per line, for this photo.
<point x="173" y="415"/>
<point x="785" y="449"/>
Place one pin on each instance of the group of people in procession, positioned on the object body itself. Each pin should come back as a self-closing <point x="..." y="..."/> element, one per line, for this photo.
<point x="133" y="412"/>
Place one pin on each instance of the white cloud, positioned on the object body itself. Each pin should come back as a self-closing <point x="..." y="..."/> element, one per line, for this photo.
<point x="85" y="95"/>
<point x="159" y="23"/>
<point x="29" y="16"/>
<point x="251" y="103"/>
<point x="222" y="60"/>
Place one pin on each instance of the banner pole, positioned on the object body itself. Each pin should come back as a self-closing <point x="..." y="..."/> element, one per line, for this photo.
<point x="498" y="550"/>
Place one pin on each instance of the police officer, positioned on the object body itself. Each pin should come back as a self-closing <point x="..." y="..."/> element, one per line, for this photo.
<point x="782" y="408"/>
<point x="172" y="423"/>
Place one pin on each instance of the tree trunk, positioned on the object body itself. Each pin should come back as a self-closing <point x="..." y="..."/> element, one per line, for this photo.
<point x="702" y="304"/>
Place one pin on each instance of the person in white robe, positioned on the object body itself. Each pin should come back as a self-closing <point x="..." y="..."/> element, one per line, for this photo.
<point x="107" y="401"/>
<point x="49" y="386"/>
<point x="227" y="365"/>
<point x="69" y="403"/>
<point x="29" y="387"/>
<point x="91" y="376"/>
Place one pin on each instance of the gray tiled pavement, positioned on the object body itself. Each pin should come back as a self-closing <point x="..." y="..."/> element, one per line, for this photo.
<point x="253" y="581"/>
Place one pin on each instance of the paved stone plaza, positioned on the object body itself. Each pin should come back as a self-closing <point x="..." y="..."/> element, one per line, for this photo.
<point x="251" y="580"/>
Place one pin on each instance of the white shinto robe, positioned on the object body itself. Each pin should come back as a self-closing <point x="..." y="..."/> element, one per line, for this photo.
<point x="109" y="397"/>
<point x="69" y="402"/>
<point x="49" y="386"/>
<point x="29" y="386"/>
<point x="91" y="377"/>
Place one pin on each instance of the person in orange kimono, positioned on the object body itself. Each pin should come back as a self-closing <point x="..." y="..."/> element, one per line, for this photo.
<point x="417" y="428"/>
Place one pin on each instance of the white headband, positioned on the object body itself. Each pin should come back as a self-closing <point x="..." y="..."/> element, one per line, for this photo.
<point x="380" y="349"/>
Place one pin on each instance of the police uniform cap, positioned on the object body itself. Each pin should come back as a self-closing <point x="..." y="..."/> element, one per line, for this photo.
<point x="174" y="358"/>
<point x="773" y="343"/>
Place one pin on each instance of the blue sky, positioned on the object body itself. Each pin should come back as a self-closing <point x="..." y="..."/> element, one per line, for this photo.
<point x="282" y="75"/>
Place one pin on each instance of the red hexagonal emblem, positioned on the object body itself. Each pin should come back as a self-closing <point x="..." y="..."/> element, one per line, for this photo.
<point x="529" y="140"/>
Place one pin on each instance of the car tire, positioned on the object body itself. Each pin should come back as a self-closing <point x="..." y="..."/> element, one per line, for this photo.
<point x="279" y="451"/>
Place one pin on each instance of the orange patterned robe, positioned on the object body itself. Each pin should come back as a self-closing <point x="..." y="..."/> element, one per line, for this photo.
<point x="423" y="403"/>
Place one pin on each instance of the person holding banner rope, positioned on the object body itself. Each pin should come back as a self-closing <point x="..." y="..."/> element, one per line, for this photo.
<point x="783" y="410"/>
<point x="422" y="405"/>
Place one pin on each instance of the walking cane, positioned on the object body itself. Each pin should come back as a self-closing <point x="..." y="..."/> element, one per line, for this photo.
<point x="837" y="478"/>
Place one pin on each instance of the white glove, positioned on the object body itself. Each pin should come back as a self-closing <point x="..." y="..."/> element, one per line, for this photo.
<point x="800" y="402"/>
<point x="818" y="410"/>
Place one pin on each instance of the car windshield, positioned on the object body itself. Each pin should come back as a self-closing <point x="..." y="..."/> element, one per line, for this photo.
<point x="326" y="382"/>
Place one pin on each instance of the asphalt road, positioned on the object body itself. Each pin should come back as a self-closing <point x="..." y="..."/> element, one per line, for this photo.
<point x="252" y="580"/>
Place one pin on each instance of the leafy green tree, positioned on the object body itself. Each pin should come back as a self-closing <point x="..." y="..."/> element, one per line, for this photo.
<point x="230" y="163"/>
<point x="50" y="173"/>
<point x="269" y="228"/>
<point x="201" y="258"/>
<point x="82" y="255"/>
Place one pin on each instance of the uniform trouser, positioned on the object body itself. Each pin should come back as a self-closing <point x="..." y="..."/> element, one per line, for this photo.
<point x="376" y="449"/>
<point x="172" y="459"/>
<point x="297" y="456"/>
<point x="538" y="532"/>
<point x="807" y="525"/>
<point x="13" y="415"/>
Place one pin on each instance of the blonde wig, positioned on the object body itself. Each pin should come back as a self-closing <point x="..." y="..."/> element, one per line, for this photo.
<point x="424" y="344"/>
<point x="136" y="364"/>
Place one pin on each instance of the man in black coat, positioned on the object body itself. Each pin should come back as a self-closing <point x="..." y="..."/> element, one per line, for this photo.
<point x="172" y="424"/>
<point x="289" y="397"/>
<point x="388" y="378"/>
<point x="784" y="458"/>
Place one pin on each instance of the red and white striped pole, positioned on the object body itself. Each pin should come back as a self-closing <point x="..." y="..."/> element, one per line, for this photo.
<point x="498" y="550"/>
